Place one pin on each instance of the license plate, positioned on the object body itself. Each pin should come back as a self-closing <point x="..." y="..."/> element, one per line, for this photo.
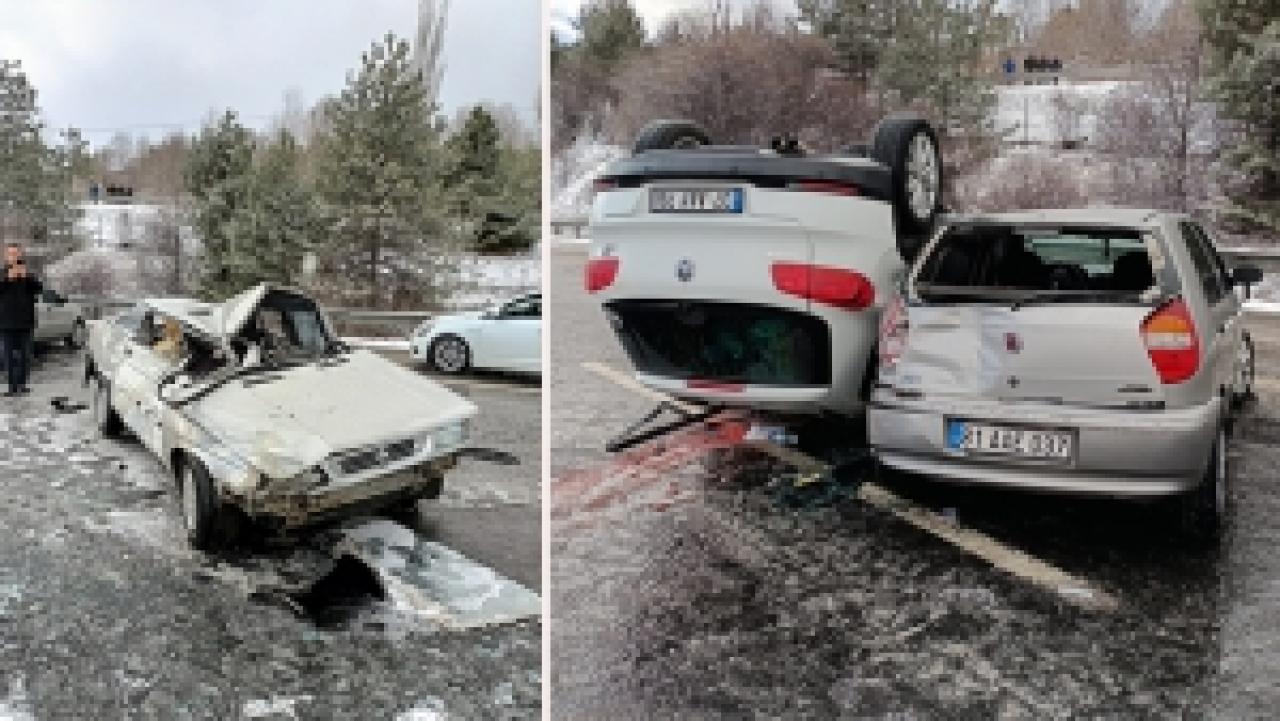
<point x="695" y="200"/>
<point x="1011" y="441"/>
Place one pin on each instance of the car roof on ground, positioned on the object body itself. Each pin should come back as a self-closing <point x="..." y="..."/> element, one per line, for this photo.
<point x="1125" y="217"/>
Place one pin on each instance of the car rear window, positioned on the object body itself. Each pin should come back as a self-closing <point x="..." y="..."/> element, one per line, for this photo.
<point x="1071" y="261"/>
<point x="724" y="342"/>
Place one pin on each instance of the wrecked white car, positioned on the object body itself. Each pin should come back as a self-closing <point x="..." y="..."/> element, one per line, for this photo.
<point x="264" y="416"/>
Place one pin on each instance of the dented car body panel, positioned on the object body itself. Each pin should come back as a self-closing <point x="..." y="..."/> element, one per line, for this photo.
<point x="292" y="429"/>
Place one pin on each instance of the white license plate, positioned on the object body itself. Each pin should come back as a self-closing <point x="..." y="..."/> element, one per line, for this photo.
<point x="1012" y="441"/>
<point x="695" y="200"/>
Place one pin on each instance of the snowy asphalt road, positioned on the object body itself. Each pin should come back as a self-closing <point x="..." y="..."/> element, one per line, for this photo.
<point x="692" y="581"/>
<point x="106" y="614"/>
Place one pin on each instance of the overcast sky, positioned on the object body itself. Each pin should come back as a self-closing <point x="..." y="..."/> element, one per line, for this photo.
<point x="653" y="11"/>
<point x="132" y="66"/>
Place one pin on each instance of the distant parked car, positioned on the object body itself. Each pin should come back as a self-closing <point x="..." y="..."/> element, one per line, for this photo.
<point x="1097" y="352"/>
<point x="59" y="320"/>
<point x="507" y="337"/>
<point x="750" y="276"/>
<point x="260" y="412"/>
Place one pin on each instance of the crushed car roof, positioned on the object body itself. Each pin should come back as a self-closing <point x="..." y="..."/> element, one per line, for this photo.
<point x="218" y="320"/>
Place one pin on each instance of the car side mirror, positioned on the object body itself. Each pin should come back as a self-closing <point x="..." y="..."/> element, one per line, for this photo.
<point x="1246" y="275"/>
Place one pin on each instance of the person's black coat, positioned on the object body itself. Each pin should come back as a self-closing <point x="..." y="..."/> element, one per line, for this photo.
<point x="18" y="302"/>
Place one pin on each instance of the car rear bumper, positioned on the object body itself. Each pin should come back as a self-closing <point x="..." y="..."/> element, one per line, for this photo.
<point x="1117" y="453"/>
<point x="290" y="510"/>
<point x="782" y="399"/>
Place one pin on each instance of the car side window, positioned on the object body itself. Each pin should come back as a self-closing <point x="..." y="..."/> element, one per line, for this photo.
<point x="522" y="308"/>
<point x="1206" y="270"/>
<point x="1224" y="275"/>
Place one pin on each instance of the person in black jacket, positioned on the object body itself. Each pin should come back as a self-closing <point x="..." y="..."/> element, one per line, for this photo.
<point x="18" y="292"/>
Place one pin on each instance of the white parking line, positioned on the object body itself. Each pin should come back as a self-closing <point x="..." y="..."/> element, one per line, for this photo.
<point x="1074" y="590"/>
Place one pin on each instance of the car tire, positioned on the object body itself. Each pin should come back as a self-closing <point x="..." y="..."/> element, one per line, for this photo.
<point x="908" y="146"/>
<point x="1204" y="509"/>
<point x="449" y="354"/>
<point x="670" y="135"/>
<point x="105" y="417"/>
<point x="199" y="505"/>
<point x="1243" y="392"/>
<point x="75" y="341"/>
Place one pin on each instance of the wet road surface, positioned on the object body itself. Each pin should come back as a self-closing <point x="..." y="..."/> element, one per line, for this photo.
<point x="105" y="613"/>
<point x="691" y="578"/>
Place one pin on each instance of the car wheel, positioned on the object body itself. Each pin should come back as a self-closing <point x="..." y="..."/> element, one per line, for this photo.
<point x="1243" y="391"/>
<point x="1204" y="509"/>
<point x="105" y="418"/>
<point x="670" y="135"/>
<point x="909" y="147"/>
<point x="199" y="504"/>
<point x="79" y="333"/>
<point x="450" y="354"/>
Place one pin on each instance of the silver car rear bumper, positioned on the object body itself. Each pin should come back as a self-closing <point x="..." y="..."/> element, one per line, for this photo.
<point x="1118" y="452"/>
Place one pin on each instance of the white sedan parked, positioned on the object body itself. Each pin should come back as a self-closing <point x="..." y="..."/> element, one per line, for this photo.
<point x="507" y="337"/>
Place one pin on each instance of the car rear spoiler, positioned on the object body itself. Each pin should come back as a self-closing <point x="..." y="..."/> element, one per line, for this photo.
<point x="754" y="166"/>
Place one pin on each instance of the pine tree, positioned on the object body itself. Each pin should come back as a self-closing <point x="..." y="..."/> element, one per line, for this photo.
<point x="35" y="178"/>
<point x="218" y="177"/>
<point x="487" y="187"/>
<point x="1244" y="41"/>
<point x="609" y="31"/>
<point x="280" y="221"/>
<point x="376" y="173"/>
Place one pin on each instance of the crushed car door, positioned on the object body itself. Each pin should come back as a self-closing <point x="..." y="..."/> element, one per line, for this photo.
<point x="1223" y="334"/>
<point x="146" y="361"/>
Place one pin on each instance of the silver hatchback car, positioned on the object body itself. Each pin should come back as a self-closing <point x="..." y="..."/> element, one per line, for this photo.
<point x="1095" y="351"/>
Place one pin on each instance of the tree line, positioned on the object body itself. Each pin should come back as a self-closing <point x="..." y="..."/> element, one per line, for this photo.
<point x="367" y="198"/>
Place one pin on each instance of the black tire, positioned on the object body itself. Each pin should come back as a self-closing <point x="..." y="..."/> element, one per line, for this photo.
<point x="1204" y="510"/>
<point x="199" y="505"/>
<point x="105" y="417"/>
<point x="1241" y="396"/>
<point x="449" y="354"/>
<point x="909" y="147"/>
<point x="670" y="135"/>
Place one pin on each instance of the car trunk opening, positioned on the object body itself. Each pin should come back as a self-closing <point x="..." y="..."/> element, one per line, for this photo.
<point x="732" y="343"/>
<point x="1034" y="313"/>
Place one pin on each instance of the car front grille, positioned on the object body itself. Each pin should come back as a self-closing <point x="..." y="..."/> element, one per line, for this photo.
<point x="370" y="458"/>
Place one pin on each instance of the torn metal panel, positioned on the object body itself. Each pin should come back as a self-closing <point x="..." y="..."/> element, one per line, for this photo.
<point x="434" y="581"/>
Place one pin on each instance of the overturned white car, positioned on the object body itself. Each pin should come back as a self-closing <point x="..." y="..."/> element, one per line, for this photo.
<point x="263" y="415"/>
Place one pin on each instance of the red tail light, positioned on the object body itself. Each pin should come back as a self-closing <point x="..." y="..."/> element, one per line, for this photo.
<point x="601" y="272"/>
<point x="601" y="185"/>
<point x="699" y="384"/>
<point x="1170" y="336"/>
<point x="830" y="286"/>
<point x="832" y="187"/>
<point x="893" y="334"/>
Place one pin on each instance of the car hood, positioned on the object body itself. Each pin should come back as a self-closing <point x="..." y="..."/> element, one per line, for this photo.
<point x="284" y="422"/>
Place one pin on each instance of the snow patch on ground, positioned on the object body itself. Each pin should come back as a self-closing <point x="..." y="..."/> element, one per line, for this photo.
<point x="277" y="706"/>
<point x="572" y="173"/>
<point x="431" y="709"/>
<point x="15" y="707"/>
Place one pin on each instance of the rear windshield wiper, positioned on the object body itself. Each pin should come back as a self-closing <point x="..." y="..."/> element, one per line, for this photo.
<point x="1056" y="296"/>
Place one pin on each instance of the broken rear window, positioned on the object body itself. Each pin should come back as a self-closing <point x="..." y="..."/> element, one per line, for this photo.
<point x="1071" y="262"/>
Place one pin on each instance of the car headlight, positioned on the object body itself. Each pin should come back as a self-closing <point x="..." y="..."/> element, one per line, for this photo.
<point x="312" y="478"/>
<point x="447" y="438"/>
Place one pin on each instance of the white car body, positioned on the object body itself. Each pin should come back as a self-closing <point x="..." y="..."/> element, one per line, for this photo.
<point x="58" y="319"/>
<point x="286" y="443"/>
<point x="505" y="338"/>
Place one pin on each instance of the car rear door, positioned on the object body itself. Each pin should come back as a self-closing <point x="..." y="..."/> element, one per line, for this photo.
<point x="513" y="340"/>
<point x="1221" y="334"/>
